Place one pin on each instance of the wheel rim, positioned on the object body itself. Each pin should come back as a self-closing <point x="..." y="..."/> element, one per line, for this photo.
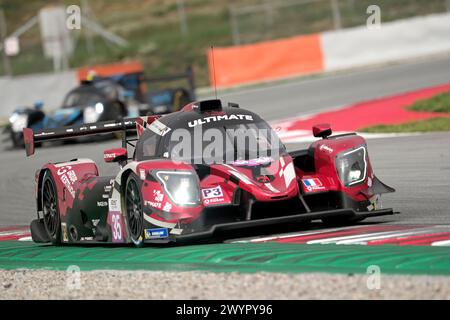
<point x="50" y="205"/>
<point x="134" y="209"/>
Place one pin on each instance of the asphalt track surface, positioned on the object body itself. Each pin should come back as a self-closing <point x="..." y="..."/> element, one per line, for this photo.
<point x="417" y="166"/>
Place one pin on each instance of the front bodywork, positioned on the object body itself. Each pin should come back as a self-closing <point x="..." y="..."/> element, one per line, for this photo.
<point x="231" y="197"/>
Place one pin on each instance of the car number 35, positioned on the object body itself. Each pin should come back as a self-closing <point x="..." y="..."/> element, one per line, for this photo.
<point x="117" y="227"/>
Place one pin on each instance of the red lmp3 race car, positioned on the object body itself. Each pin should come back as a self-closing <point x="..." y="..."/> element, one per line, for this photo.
<point x="159" y="198"/>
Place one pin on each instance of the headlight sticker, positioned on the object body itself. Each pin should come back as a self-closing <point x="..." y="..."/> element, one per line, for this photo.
<point x="352" y="166"/>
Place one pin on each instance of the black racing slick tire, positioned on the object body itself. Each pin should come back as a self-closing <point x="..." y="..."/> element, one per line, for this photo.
<point x="134" y="208"/>
<point x="50" y="208"/>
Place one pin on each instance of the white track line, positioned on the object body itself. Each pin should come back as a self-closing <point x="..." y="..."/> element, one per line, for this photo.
<point x="13" y="233"/>
<point x="387" y="236"/>
<point x="441" y="243"/>
<point x="301" y="234"/>
<point x="360" y="237"/>
<point x="297" y="234"/>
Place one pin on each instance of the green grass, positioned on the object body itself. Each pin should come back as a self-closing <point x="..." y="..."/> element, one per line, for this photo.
<point x="153" y="31"/>
<point x="430" y="125"/>
<point x="439" y="103"/>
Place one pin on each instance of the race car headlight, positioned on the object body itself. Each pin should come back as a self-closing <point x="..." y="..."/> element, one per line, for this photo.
<point x="181" y="187"/>
<point x="18" y="122"/>
<point x="352" y="166"/>
<point x="99" y="107"/>
<point x="92" y="114"/>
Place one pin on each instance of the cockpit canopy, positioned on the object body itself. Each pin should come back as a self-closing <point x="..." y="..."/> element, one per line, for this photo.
<point x="220" y="136"/>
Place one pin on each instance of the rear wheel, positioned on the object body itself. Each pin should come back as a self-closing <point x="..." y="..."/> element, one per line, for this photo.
<point x="134" y="209"/>
<point x="50" y="209"/>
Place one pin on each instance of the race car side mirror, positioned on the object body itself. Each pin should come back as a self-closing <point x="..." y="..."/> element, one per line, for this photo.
<point x="322" y="130"/>
<point x="115" y="155"/>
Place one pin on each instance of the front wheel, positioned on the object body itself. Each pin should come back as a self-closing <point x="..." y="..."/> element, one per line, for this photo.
<point x="134" y="210"/>
<point x="50" y="209"/>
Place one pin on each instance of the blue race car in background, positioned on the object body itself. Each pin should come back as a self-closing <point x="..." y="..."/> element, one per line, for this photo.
<point x="92" y="101"/>
<point x="106" y="95"/>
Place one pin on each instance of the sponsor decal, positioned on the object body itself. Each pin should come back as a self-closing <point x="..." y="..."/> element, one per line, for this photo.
<point x="212" y="192"/>
<point x="64" y="232"/>
<point x="109" y="156"/>
<point x="158" y="233"/>
<point x="87" y="238"/>
<point x="102" y="204"/>
<point x="114" y="205"/>
<point x="159" y="196"/>
<point x="326" y="148"/>
<point x="220" y="118"/>
<point x="252" y="162"/>
<point x="159" y="128"/>
<point x="313" y="184"/>
<point x="142" y="174"/>
<point x="68" y="178"/>
<point x="72" y="176"/>
<point x="213" y="196"/>
<point x="214" y="201"/>
<point x="153" y="204"/>
<point x="167" y="207"/>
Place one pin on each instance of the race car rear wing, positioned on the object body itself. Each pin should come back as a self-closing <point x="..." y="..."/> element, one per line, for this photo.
<point x="71" y="132"/>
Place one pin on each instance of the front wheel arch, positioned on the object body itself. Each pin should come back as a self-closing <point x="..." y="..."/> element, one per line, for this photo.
<point x="54" y="235"/>
<point x="39" y="188"/>
<point x="136" y="221"/>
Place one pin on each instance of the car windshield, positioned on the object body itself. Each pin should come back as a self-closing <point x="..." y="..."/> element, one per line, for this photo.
<point x="80" y="99"/>
<point x="237" y="143"/>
